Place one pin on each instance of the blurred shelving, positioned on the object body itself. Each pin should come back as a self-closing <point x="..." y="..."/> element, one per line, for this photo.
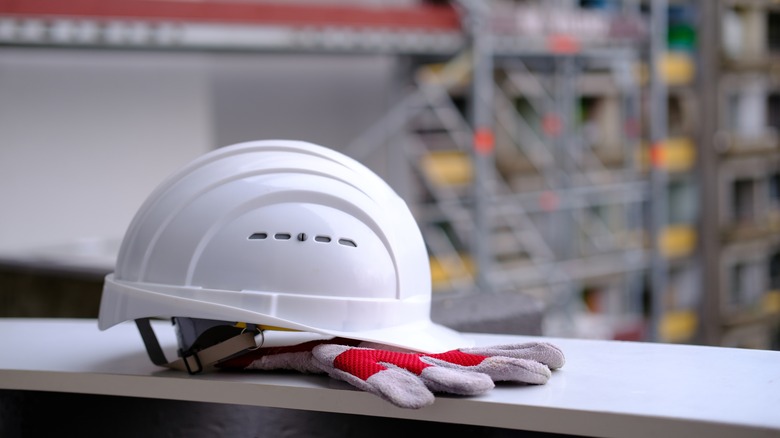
<point x="555" y="163"/>
<point x="345" y="26"/>
<point x="744" y="158"/>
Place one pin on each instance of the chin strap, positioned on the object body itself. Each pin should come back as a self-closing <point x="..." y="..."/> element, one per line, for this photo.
<point x="197" y="361"/>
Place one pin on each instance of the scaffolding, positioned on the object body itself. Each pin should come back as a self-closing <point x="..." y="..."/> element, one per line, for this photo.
<point x="510" y="197"/>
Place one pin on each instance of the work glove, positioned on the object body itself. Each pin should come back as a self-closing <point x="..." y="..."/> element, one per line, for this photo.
<point x="409" y="380"/>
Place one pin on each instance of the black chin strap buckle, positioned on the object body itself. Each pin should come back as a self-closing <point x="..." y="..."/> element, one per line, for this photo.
<point x="212" y="346"/>
<point x="185" y="357"/>
<point x="156" y="354"/>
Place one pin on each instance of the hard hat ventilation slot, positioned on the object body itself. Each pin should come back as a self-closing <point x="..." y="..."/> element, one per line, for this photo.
<point x="302" y="237"/>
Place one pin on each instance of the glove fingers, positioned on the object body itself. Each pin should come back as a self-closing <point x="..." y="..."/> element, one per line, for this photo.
<point x="399" y="387"/>
<point x="456" y="381"/>
<point x="508" y="369"/>
<point x="327" y="353"/>
<point x="542" y="352"/>
<point x="500" y="369"/>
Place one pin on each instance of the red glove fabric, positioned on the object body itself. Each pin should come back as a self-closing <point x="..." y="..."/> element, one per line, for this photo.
<point x="409" y="380"/>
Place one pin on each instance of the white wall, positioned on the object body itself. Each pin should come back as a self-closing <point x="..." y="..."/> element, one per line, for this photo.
<point x="85" y="136"/>
<point x="325" y="99"/>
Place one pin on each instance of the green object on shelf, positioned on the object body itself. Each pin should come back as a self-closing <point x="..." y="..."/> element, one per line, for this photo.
<point x="681" y="37"/>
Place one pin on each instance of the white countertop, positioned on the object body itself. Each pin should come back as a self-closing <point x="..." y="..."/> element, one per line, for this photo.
<point x="606" y="388"/>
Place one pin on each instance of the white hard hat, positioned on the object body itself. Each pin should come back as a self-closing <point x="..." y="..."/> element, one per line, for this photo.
<point x="279" y="233"/>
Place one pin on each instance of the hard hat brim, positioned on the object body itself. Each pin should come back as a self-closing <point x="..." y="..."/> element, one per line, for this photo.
<point x="421" y="335"/>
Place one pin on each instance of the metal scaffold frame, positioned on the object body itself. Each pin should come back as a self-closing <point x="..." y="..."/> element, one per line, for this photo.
<point x="558" y="239"/>
<point x="658" y="177"/>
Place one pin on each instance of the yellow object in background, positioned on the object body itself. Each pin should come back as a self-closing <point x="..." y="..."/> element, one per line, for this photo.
<point x="448" y="167"/>
<point x="674" y="155"/>
<point x="677" y="240"/>
<point x="678" y="326"/>
<point x="456" y="72"/>
<point x="678" y="68"/>
<point x="446" y="269"/>
<point x="770" y="302"/>
<point x="679" y="154"/>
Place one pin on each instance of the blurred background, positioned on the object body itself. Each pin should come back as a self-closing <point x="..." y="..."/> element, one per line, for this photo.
<point x="579" y="168"/>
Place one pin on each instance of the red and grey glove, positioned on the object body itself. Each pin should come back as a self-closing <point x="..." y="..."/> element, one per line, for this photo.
<point x="408" y="380"/>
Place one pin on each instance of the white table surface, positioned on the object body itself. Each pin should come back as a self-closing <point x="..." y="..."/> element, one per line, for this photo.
<point x="606" y="388"/>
